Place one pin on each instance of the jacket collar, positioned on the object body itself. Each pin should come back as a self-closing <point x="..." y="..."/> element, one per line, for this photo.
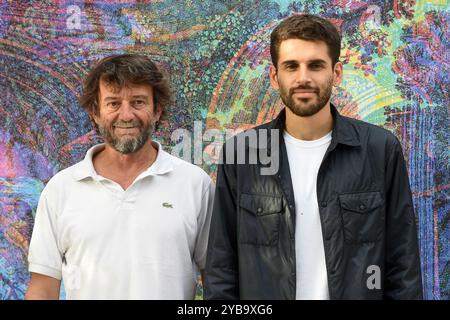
<point x="343" y="130"/>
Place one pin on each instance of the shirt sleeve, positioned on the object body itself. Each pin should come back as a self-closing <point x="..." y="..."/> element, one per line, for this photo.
<point x="44" y="256"/>
<point x="203" y="222"/>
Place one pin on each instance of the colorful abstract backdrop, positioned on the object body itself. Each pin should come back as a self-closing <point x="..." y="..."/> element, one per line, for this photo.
<point x="396" y="58"/>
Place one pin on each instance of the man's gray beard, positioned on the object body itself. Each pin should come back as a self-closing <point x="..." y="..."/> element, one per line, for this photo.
<point x="323" y="98"/>
<point x="127" y="145"/>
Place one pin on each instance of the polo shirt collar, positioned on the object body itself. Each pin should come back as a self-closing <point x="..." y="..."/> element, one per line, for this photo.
<point x="85" y="169"/>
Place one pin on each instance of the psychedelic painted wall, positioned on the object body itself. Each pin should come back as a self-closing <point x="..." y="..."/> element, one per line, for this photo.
<point x="397" y="67"/>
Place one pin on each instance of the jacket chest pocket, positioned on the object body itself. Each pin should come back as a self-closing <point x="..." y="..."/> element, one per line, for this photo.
<point x="259" y="219"/>
<point x="361" y="216"/>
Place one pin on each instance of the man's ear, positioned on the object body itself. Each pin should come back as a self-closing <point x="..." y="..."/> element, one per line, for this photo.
<point x="94" y="112"/>
<point x="94" y="118"/>
<point x="158" y="112"/>
<point x="273" y="77"/>
<point x="338" y="72"/>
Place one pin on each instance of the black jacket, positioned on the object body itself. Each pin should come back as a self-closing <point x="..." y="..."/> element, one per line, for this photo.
<point x="366" y="213"/>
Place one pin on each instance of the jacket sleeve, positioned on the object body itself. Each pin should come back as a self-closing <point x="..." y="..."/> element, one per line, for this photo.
<point x="403" y="278"/>
<point x="221" y="274"/>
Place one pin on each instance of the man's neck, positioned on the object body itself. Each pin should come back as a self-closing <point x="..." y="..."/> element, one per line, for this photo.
<point x="309" y="128"/>
<point x="124" y="168"/>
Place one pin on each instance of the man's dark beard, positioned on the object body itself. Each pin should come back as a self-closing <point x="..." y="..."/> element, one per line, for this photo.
<point x="127" y="145"/>
<point x="322" y="98"/>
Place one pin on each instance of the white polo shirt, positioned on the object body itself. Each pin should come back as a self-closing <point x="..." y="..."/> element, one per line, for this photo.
<point x="106" y="243"/>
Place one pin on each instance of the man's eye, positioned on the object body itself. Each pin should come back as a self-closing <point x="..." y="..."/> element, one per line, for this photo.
<point x="316" y="66"/>
<point x="139" y="103"/>
<point x="113" y="105"/>
<point x="291" y="67"/>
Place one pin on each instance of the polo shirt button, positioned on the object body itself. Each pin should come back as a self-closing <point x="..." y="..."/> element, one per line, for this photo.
<point x="362" y="207"/>
<point x="259" y="210"/>
<point x="323" y="204"/>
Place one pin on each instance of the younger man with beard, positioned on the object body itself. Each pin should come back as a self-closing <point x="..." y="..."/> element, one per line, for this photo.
<point x="336" y="221"/>
<point x="130" y="221"/>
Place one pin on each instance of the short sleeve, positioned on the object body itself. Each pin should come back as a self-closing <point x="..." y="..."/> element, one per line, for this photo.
<point x="203" y="222"/>
<point x="44" y="256"/>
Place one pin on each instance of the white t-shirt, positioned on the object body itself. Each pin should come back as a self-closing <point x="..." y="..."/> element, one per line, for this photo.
<point x="305" y="158"/>
<point x="106" y="243"/>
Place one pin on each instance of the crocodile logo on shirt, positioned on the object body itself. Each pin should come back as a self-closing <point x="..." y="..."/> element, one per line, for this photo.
<point x="167" y="205"/>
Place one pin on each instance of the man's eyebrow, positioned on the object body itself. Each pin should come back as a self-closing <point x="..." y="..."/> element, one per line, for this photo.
<point x="114" y="98"/>
<point x="318" y="61"/>
<point x="140" y="96"/>
<point x="289" y="62"/>
<point x="111" y="98"/>
<point x="293" y="62"/>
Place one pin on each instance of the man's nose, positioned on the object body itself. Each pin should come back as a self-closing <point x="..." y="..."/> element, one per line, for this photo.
<point x="302" y="76"/>
<point x="126" y="111"/>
